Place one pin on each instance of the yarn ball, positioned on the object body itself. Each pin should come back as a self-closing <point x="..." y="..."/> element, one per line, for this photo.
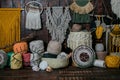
<point x="35" y="68"/>
<point x="43" y="65"/>
<point x="36" y="46"/>
<point x="3" y="59"/>
<point x="112" y="61"/>
<point x="20" y="47"/>
<point x="54" y="47"/>
<point x="26" y="59"/>
<point x="9" y="54"/>
<point x="16" y="61"/>
<point x="76" y="28"/>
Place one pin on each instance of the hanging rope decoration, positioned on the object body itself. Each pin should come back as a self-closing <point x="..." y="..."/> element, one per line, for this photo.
<point x="114" y="39"/>
<point x="81" y="9"/>
<point x="57" y="22"/>
<point x="9" y="27"/>
<point x="33" y="19"/>
<point x="115" y="4"/>
<point x="99" y="29"/>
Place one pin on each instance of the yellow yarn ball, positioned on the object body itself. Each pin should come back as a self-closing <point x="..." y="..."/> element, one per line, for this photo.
<point x="112" y="61"/>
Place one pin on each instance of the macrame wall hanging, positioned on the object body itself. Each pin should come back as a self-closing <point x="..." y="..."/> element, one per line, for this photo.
<point x="114" y="39"/>
<point x="57" y="22"/>
<point x="115" y="4"/>
<point x="80" y="10"/>
<point x="9" y="27"/>
<point x="33" y="19"/>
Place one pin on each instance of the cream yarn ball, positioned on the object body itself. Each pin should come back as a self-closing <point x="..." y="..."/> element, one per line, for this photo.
<point x="54" y="47"/>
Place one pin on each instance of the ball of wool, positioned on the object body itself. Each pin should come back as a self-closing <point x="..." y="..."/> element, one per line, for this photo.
<point x="112" y="61"/>
<point x="3" y="59"/>
<point x="20" y="47"/>
<point x="35" y="68"/>
<point x="36" y="46"/>
<point x="76" y="28"/>
<point x="54" y="47"/>
<point x="43" y="65"/>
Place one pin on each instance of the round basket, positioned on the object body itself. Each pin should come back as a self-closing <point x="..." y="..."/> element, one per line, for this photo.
<point x="83" y="56"/>
<point x="56" y="62"/>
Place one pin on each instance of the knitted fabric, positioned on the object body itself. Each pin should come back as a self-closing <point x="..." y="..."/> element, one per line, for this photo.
<point x="26" y="59"/>
<point x="115" y="4"/>
<point x="16" y="61"/>
<point x="54" y="47"/>
<point x="36" y="46"/>
<point x="112" y="61"/>
<point x="57" y="20"/>
<point x="33" y="20"/>
<point x="20" y="47"/>
<point x="56" y="63"/>
<point x="9" y="27"/>
<point x="3" y="59"/>
<point x="35" y="60"/>
<point x="76" y="39"/>
<point x="80" y="10"/>
<point x="9" y="54"/>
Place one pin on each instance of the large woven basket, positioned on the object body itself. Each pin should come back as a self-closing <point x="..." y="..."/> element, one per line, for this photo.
<point x="56" y="62"/>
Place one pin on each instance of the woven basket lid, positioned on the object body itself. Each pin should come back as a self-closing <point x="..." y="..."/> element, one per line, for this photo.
<point x="83" y="56"/>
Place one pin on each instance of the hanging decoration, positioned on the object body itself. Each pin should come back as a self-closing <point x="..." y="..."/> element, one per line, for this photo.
<point x="114" y="39"/>
<point x="57" y="20"/>
<point x="80" y="10"/>
<point x="115" y="4"/>
<point x="33" y="19"/>
<point x="99" y="29"/>
<point x="9" y="27"/>
<point x="87" y="8"/>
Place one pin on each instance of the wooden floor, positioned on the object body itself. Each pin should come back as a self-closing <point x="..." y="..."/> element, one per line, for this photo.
<point x="69" y="73"/>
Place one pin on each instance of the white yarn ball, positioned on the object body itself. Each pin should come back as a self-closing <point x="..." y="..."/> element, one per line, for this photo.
<point x="35" y="68"/>
<point x="43" y="65"/>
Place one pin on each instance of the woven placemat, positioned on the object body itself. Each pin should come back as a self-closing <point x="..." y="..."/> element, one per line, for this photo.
<point x="89" y="74"/>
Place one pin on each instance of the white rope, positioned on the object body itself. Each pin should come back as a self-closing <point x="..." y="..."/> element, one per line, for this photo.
<point x="115" y="4"/>
<point x="56" y="23"/>
<point x="33" y="19"/>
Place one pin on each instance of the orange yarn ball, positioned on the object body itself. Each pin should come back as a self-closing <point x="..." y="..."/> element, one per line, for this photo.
<point x="20" y="47"/>
<point x="112" y="61"/>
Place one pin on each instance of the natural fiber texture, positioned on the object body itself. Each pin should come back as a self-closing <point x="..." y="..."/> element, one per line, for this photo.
<point x="36" y="46"/>
<point x="76" y="39"/>
<point x="87" y="8"/>
<point x="33" y="20"/>
<point x="116" y="7"/>
<point x="114" y="39"/>
<point x="57" y="22"/>
<point x="16" y="61"/>
<point x="56" y="62"/>
<point x="20" y="47"/>
<point x="3" y="59"/>
<point x="112" y="61"/>
<point x="35" y="60"/>
<point x="9" y="27"/>
<point x="26" y="59"/>
<point x="54" y="47"/>
<point x="9" y="54"/>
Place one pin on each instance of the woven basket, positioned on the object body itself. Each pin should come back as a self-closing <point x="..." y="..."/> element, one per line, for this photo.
<point x="56" y="63"/>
